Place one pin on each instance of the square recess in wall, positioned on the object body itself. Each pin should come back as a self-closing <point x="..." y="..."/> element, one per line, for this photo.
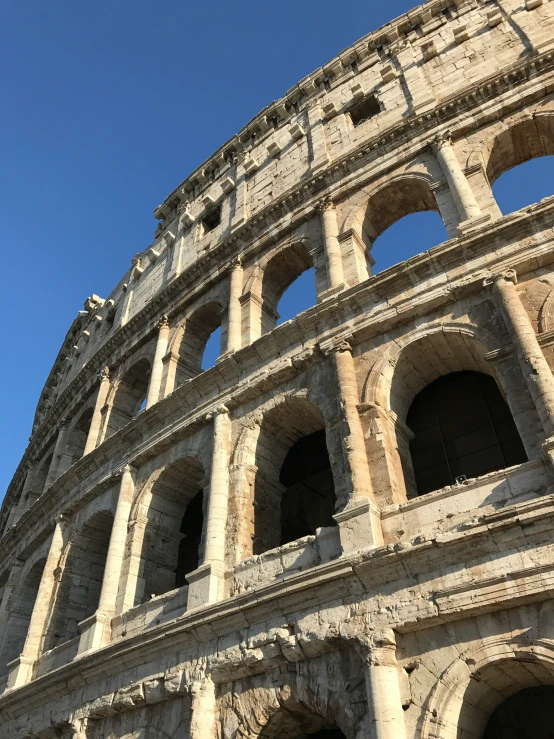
<point x="365" y="109"/>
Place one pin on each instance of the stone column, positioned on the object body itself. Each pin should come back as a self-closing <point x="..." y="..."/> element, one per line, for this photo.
<point x="359" y="522"/>
<point x="95" y="631"/>
<point x="157" y="364"/>
<point x="234" y="330"/>
<point x="534" y="366"/>
<point x="331" y="245"/>
<point x="21" y="669"/>
<point x="96" y="421"/>
<point x="61" y="441"/>
<point x="462" y="193"/>
<point x="202" y="723"/>
<point x="382" y="685"/>
<point x="206" y="583"/>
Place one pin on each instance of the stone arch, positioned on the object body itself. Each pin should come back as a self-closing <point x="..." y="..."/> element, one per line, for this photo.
<point x="409" y="365"/>
<point x="475" y="683"/>
<point x="280" y="429"/>
<point x="76" y="438"/>
<point x="40" y="474"/>
<point x="170" y="503"/>
<point x="271" y="277"/>
<point x="378" y="208"/>
<point x="516" y="142"/>
<point x="187" y="345"/>
<point x="82" y="572"/>
<point x="293" y="711"/>
<point x="128" y="395"/>
<point x="20" y="612"/>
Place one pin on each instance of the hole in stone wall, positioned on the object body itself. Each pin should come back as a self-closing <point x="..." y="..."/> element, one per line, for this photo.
<point x="462" y="426"/>
<point x="364" y="110"/>
<point x="212" y="219"/>
<point x="411" y="235"/>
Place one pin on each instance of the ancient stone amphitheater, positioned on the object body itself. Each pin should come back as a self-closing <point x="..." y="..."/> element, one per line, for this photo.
<point x="344" y="528"/>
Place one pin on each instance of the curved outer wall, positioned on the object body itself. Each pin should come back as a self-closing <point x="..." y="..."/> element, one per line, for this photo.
<point x="410" y="616"/>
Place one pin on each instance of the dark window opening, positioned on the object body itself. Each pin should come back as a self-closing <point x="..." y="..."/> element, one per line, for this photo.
<point x="308" y="502"/>
<point x="364" y="110"/>
<point x="526" y="715"/>
<point x="189" y="547"/>
<point x="212" y="219"/>
<point x="462" y="427"/>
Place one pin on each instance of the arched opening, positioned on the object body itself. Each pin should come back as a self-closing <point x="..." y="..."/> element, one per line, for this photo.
<point x="288" y="286"/>
<point x="524" y="184"/>
<point x="129" y="397"/>
<point x="520" y="688"/>
<point x="20" y="615"/>
<point x="37" y="487"/>
<point x="462" y="428"/>
<point x="401" y="220"/>
<point x="294" y="492"/>
<point x="413" y="234"/>
<point x="201" y="342"/>
<point x="530" y="139"/>
<point x="77" y="440"/>
<point x="81" y="582"/>
<point x="296" y="722"/>
<point x="173" y="533"/>
<point x="525" y="715"/>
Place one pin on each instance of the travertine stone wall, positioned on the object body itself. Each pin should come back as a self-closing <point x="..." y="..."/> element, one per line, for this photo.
<point x="404" y="616"/>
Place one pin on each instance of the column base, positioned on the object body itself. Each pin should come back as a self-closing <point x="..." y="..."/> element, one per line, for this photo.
<point x="206" y="585"/>
<point x="94" y="633"/>
<point x="20" y="672"/>
<point x="331" y="292"/>
<point x="472" y="224"/>
<point x="359" y="526"/>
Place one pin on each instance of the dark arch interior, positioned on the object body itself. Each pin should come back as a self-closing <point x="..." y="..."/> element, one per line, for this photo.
<point x="78" y="439"/>
<point x="462" y="427"/>
<point x="323" y="734"/>
<point x="308" y="501"/>
<point x="526" y="715"/>
<point x="189" y="546"/>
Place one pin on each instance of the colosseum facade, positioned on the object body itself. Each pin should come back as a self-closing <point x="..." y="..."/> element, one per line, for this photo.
<point x="344" y="528"/>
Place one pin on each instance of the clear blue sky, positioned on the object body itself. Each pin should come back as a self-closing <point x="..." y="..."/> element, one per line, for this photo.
<point x="107" y="106"/>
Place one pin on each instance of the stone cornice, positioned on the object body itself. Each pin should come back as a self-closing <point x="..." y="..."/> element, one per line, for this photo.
<point x="310" y="89"/>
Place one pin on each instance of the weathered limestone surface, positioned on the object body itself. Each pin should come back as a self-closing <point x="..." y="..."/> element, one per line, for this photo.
<point x="146" y="586"/>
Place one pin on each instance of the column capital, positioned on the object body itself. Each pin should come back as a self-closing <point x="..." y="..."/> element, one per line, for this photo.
<point x="219" y="411"/>
<point x="377" y="648"/>
<point x="164" y="323"/>
<point x="440" y="140"/>
<point x="235" y="263"/>
<point x="104" y="374"/>
<point x="341" y="345"/>
<point x="509" y="275"/>
<point x="325" y="204"/>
